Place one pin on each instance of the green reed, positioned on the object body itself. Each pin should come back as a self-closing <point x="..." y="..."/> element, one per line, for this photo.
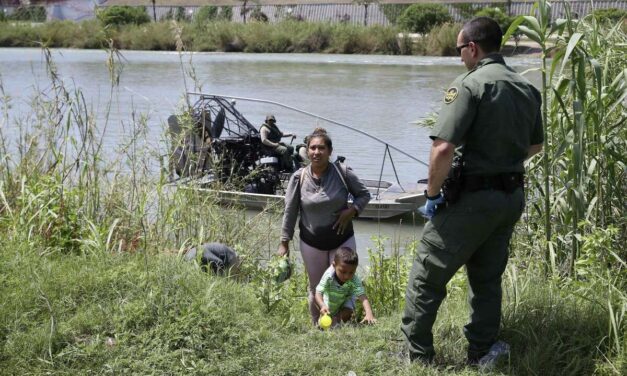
<point x="582" y="175"/>
<point x="577" y="190"/>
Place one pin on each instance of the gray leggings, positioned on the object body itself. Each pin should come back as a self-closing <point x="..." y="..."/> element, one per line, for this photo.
<point x="316" y="263"/>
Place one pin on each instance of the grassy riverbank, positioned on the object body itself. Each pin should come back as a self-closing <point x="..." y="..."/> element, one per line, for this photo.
<point x="145" y="313"/>
<point x="284" y="37"/>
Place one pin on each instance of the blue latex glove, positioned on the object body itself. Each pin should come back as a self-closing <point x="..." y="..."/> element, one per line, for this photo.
<point x="431" y="205"/>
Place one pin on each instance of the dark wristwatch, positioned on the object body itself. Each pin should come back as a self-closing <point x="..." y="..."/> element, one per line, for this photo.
<point x="433" y="197"/>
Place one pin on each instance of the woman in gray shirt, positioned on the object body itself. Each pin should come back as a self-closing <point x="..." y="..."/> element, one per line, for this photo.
<point x="319" y="194"/>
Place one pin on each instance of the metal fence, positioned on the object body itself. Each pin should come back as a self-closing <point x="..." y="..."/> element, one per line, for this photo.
<point x="354" y="13"/>
<point x="349" y="13"/>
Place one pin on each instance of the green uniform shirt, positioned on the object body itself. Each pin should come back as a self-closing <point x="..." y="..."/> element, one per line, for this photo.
<point x="335" y="294"/>
<point x="494" y="113"/>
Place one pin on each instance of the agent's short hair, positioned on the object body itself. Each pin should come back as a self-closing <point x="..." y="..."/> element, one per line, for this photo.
<point x="346" y="255"/>
<point x="320" y="133"/>
<point x="485" y="32"/>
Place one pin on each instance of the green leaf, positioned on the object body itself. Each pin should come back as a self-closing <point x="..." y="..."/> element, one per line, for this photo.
<point x="558" y="96"/>
<point x="591" y="207"/>
<point x="534" y="24"/>
<point x="512" y="29"/>
<point x="545" y="12"/>
<point x="557" y="58"/>
<point x="592" y="167"/>
<point x="572" y="43"/>
<point x="598" y="76"/>
<point x="560" y="150"/>
<point x="531" y="35"/>
<point x="558" y="26"/>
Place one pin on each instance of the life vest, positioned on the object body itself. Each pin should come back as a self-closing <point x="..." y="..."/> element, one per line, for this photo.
<point x="275" y="134"/>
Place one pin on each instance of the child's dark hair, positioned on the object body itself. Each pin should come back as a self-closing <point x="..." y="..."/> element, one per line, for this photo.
<point x="346" y="255"/>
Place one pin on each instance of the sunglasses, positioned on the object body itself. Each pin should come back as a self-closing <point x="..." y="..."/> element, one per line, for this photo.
<point x="460" y="48"/>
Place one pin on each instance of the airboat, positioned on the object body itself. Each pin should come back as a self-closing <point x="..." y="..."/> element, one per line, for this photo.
<point x="215" y="149"/>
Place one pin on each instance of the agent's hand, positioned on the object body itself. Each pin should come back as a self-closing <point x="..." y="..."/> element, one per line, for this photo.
<point x="344" y="219"/>
<point x="281" y="149"/>
<point x="324" y="310"/>
<point x="368" y="319"/>
<point x="284" y="249"/>
<point x="428" y="211"/>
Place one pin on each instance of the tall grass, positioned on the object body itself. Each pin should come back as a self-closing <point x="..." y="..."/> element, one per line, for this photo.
<point x="581" y="179"/>
<point x="283" y="37"/>
<point x="441" y="41"/>
<point x="577" y="190"/>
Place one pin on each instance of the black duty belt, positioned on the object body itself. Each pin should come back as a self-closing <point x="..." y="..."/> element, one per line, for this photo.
<point x="507" y="182"/>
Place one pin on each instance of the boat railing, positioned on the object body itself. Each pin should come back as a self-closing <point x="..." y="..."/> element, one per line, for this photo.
<point x="388" y="146"/>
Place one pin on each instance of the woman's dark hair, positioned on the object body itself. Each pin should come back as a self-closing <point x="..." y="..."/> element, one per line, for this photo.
<point x="347" y="256"/>
<point x="320" y="133"/>
<point x="485" y="32"/>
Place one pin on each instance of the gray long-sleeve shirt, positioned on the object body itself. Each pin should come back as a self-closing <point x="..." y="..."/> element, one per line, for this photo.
<point x="320" y="200"/>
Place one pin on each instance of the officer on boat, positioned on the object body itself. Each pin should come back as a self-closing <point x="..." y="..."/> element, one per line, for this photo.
<point x="271" y="137"/>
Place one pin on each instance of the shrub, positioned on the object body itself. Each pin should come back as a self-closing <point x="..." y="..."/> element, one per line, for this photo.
<point x="33" y="13"/>
<point x="226" y="13"/>
<point x="610" y="14"/>
<point x="258" y="15"/>
<point x="353" y="39"/>
<point x="421" y="18"/>
<point x="169" y="15"/>
<point x="497" y="15"/>
<point x="442" y="39"/>
<point x="393" y="11"/>
<point x="465" y="10"/>
<point x="122" y="15"/>
<point x="181" y="14"/>
<point x="62" y="34"/>
<point x="221" y="36"/>
<point x="155" y="36"/>
<point x="206" y="14"/>
<point x="313" y="39"/>
<point x="19" y="35"/>
<point x="2" y="16"/>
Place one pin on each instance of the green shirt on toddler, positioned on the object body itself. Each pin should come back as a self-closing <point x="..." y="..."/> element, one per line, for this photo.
<point x="335" y="294"/>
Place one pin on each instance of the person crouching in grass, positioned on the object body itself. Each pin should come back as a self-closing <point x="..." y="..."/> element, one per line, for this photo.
<point x="340" y="286"/>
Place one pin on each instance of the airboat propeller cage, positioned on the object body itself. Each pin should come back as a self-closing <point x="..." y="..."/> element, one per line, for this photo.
<point x="228" y="123"/>
<point x="209" y="106"/>
<point x="222" y="152"/>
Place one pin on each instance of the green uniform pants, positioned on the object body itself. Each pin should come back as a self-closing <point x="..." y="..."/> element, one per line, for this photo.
<point x="475" y="232"/>
<point x="286" y="158"/>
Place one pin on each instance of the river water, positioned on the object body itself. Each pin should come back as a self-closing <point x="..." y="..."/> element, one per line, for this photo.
<point x="381" y="95"/>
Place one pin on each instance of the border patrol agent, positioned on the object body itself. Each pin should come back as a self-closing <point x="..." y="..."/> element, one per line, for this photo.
<point x="492" y="115"/>
<point x="271" y="137"/>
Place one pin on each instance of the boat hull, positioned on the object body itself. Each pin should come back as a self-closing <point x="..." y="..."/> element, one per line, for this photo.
<point x="377" y="208"/>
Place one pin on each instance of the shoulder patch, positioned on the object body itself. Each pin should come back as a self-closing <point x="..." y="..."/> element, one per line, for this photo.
<point x="450" y="95"/>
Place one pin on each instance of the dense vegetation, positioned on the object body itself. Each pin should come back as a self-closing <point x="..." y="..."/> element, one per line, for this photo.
<point x="91" y="279"/>
<point x="122" y="15"/>
<point x="219" y="35"/>
<point x="32" y="13"/>
<point x="421" y="18"/>
<point x="211" y="30"/>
